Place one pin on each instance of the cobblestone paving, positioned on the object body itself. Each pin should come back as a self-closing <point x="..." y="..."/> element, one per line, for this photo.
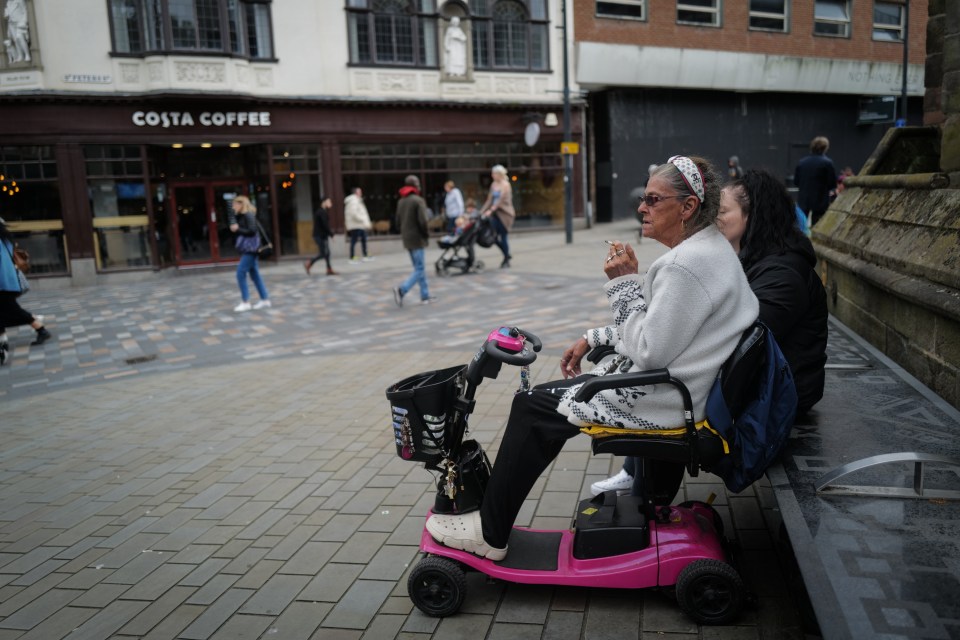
<point x="171" y="469"/>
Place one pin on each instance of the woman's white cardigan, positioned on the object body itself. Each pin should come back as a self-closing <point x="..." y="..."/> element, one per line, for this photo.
<point x="686" y="315"/>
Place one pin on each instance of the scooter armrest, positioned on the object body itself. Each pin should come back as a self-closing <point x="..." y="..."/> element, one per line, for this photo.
<point x="592" y="387"/>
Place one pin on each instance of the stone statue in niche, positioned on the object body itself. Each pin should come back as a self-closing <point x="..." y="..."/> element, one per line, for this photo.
<point x="17" y="42"/>
<point x="455" y="49"/>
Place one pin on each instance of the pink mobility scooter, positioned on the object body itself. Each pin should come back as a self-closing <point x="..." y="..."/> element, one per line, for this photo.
<point x="626" y="542"/>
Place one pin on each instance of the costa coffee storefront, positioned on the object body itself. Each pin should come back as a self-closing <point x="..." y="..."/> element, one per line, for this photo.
<point x="92" y="186"/>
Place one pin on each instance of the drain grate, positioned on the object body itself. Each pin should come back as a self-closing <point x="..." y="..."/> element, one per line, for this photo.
<point x="141" y="359"/>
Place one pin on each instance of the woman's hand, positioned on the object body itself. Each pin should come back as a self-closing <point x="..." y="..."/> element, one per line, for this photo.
<point x="620" y="261"/>
<point x="234" y="227"/>
<point x="570" y="361"/>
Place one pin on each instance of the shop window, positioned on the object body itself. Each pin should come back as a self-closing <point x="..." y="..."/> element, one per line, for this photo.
<point x="393" y="32"/>
<point x="888" y="21"/>
<point x="831" y="18"/>
<point x="769" y="15"/>
<point x="116" y="189"/>
<point x="629" y="9"/>
<point x="30" y="203"/>
<point x="704" y="13"/>
<point x="298" y="183"/>
<point x="536" y="174"/>
<point x="231" y="27"/>
<point x="510" y="34"/>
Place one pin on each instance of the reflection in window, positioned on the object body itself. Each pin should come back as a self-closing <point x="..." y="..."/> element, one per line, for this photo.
<point x="634" y="9"/>
<point x="393" y="32"/>
<point x="118" y="201"/>
<point x="769" y="15"/>
<point x="30" y="203"/>
<point x="888" y="21"/>
<point x="238" y="27"/>
<point x="510" y="34"/>
<point x="705" y="13"/>
<point x="831" y="18"/>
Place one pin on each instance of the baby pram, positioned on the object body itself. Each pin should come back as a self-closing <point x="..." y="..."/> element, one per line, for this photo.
<point x="459" y="251"/>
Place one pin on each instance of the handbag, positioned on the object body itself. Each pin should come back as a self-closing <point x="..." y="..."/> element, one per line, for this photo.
<point x="21" y="259"/>
<point x="248" y="244"/>
<point x="265" y="248"/>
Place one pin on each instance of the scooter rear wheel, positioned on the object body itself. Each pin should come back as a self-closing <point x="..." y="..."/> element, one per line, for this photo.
<point x="437" y="586"/>
<point x="710" y="591"/>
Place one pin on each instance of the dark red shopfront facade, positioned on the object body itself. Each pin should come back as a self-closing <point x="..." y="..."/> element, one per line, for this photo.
<point x="132" y="183"/>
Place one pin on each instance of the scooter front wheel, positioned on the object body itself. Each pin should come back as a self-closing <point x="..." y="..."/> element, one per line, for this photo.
<point x="710" y="591"/>
<point x="437" y="586"/>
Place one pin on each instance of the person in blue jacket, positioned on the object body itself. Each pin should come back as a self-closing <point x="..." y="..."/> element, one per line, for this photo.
<point x="11" y="313"/>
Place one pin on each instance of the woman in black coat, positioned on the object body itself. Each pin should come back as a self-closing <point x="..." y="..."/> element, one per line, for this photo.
<point x="757" y="216"/>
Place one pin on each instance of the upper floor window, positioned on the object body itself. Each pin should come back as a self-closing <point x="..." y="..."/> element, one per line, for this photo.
<point x="229" y="27"/>
<point x="769" y="15"/>
<point x="831" y="18"/>
<point x="705" y="13"/>
<point x="393" y="32"/>
<point x="510" y="34"/>
<point x="888" y="21"/>
<point x="632" y="9"/>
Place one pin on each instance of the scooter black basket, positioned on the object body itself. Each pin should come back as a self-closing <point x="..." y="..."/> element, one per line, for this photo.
<point x="422" y="411"/>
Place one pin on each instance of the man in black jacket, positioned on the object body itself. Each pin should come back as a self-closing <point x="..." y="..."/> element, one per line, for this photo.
<point x="816" y="178"/>
<point x="321" y="235"/>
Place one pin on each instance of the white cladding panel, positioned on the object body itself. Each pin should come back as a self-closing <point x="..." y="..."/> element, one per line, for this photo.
<point x="610" y="65"/>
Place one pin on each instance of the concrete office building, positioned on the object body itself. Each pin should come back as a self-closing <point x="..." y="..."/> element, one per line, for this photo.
<point x="753" y="78"/>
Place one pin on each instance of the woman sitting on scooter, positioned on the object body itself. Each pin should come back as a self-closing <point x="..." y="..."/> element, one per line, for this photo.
<point x="687" y="315"/>
<point x="757" y="217"/>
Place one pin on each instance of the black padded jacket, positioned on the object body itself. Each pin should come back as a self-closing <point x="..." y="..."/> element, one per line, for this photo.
<point x="793" y="304"/>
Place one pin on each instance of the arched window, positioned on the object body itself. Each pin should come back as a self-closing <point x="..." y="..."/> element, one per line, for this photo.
<point x="232" y="27"/>
<point x="510" y="34"/>
<point x="393" y="32"/>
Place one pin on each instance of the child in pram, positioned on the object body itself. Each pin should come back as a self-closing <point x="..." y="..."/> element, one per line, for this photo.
<point x="458" y="247"/>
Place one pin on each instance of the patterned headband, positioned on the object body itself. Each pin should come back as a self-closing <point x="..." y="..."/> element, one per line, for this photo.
<point x="690" y="173"/>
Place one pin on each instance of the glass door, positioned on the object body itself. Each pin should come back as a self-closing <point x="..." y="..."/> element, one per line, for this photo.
<point x="201" y="221"/>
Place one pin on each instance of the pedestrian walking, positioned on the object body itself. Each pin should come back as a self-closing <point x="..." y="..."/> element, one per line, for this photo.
<point x="452" y="204"/>
<point x="321" y="235"/>
<point x="357" y="221"/>
<point x="734" y="171"/>
<point x="816" y="180"/>
<point x="412" y="221"/>
<point x="498" y="207"/>
<point x="243" y="222"/>
<point x="11" y="313"/>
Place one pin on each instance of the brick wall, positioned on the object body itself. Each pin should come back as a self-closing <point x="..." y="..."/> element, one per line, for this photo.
<point x="661" y="30"/>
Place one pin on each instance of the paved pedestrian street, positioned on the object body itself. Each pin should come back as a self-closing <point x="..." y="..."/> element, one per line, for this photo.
<point x="172" y="469"/>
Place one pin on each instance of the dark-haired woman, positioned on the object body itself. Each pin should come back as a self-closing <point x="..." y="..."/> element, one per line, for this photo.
<point x="758" y="218"/>
<point x="11" y="313"/>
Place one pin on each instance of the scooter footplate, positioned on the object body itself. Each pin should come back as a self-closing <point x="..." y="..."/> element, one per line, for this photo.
<point x="532" y="550"/>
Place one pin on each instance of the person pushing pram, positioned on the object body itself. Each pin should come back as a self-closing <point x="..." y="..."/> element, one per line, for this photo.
<point x="458" y="245"/>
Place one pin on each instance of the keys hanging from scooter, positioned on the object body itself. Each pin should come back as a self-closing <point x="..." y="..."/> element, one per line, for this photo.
<point x="451" y="486"/>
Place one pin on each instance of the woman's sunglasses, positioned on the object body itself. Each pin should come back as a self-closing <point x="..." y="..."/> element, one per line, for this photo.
<point x="651" y="201"/>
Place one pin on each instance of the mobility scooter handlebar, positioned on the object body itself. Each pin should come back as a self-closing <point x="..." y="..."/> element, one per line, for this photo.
<point x="507" y="345"/>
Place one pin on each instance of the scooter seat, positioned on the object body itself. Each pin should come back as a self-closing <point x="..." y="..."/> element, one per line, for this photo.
<point x="670" y="445"/>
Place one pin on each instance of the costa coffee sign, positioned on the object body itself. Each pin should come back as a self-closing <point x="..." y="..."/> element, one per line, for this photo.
<point x="167" y="119"/>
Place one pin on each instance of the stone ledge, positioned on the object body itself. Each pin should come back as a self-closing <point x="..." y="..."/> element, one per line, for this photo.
<point x="932" y="296"/>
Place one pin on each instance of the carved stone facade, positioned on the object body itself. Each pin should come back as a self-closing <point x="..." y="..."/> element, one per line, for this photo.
<point x="201" y="72"/>
<point x="19" y="36"/>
